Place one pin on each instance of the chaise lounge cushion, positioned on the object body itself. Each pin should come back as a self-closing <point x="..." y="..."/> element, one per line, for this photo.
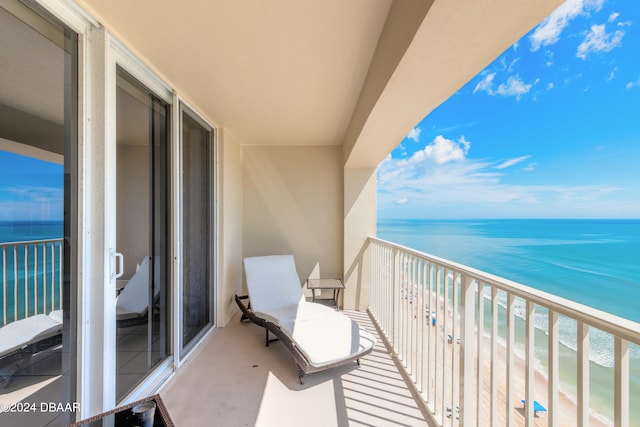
<point x="323" y="335"/>
<point x="329" y="337"/>
<point x="15" y="335"/>
<point x="133" y="301"/>
<point x="273" y="283"/>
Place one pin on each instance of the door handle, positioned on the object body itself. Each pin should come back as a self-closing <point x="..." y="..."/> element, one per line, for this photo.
<point x="119" y="271"/>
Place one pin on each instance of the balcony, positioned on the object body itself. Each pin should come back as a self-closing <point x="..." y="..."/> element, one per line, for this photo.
<point x="31" y="278"/>
<point x="30" y="284"/>
<point x="433" y="364"/>
<point x="432" y="358"/>
<point x="234" y="380"/>
<point x="486" y="361"/>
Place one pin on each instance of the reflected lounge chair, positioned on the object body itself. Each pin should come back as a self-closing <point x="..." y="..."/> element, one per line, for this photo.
<point x="23" y="338"/>
<point x="132" y="304"/>
<point x="317" y="336"/>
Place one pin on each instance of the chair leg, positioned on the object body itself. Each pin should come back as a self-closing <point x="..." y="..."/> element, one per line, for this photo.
<point x="300" y="374"/>
<point x="266" y="337"/>
<point x="358" y="362"/>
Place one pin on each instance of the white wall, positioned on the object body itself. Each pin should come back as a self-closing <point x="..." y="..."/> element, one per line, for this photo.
<point x="132" y="205"/>
<point x="229" y="209"/>
<point x="359" y="224"/>
<point x="292" y="204"/>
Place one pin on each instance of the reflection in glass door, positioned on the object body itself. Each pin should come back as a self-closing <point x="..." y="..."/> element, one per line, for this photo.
<point x="197" y="258"/>
<point x="38" y="179"/>
<point x="142" y="232"/>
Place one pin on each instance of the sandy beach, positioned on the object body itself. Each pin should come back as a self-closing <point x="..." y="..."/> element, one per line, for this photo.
<point x="447" y="356"/>
<point x="568" y="406"/>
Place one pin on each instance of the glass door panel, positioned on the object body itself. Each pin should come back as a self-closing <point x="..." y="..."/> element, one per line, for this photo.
<point x="197" y="257"/>
<point x="142" y="231"/>
<point x="38" y="181"/>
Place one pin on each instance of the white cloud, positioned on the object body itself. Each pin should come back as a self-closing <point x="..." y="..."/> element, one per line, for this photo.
<point x="510" y="66"/>
<point x="597" y="40"/>
<point x="572" y="79"/>
<point x="443" y="150"/>
<point x="419" y="187"/>
<point x="414" y="134"/>
<point x="486" y="84"/>
<point x="613" y="16"/>
<point x="512" y="162"/>
<point x="37" y="203"/>
<point x="514" y="86"/>
<point x="402" y="149"/>
<point x="440" y="151"/>
<point x="550" y="58"/>
<point x="549" y="30"/>
<point x="631" y="85"/>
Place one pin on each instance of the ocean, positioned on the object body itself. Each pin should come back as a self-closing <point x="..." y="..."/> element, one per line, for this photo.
<point x="12" y="256"/>
<point x="20" y="231"/>
<point x="593" y="262"/>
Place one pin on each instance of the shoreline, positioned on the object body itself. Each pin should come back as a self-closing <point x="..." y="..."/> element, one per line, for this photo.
<point x="567" y="411"/>
<point x="568" y="406"/>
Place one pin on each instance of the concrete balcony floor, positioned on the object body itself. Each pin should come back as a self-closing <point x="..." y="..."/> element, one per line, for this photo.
<point x="233" y="379"/>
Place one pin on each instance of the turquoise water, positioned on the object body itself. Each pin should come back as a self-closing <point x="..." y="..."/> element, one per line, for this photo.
<point x="593" y="262"/>
<point x="24" y="231"/>
<point x="20" y="231"/>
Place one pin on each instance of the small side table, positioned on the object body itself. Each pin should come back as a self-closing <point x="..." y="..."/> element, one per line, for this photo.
<point x="318" y="284"/>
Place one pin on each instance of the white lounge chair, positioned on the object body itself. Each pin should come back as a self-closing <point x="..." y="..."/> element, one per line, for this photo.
<point x="317" y="336"/>
<point x="132" y="304"/>
<point x="23" y="338"/>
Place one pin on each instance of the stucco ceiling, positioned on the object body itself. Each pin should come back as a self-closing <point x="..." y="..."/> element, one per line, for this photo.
<point x="32" y="71"/>
<point x="270" y="71"/>
<point x="360" y="73"/>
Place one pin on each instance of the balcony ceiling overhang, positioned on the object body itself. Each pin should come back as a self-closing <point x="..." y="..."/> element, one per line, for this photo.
<point x="360" y="73"/>
<point x="276" y="72"/>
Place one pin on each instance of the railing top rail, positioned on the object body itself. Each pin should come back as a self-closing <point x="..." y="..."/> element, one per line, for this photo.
<point x="624" y="328"/>
<point x="30" y="242"/>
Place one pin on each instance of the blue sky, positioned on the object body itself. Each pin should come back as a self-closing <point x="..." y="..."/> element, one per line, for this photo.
<point x="30" y="189"/>
<point x="550" y="129"/>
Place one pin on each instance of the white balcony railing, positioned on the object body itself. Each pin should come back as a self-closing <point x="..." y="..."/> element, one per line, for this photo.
<point x="30" y="278"/>
<point x="427" y="308"/>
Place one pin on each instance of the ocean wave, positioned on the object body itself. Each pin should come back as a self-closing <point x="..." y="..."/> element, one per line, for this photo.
<point x="581" y="270"/>
<point x="601" y="343"/>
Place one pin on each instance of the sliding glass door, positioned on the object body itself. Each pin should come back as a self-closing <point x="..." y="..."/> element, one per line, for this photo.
<point x="142" y="236"/>
<point x="38" y="215"/>
<point x="197" y="229"/>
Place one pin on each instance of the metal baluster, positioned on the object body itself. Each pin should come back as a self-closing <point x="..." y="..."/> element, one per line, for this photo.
<point x="35" y="277"/>
<point x="621" y="382"/>
<point x="5" y="286"/>
<point x="553" y="373"/>
<point x="510" y="350"/>
<point x="583" y="374"/>
<point x="494" y="357"/>
<point x="529" y="364"/>
<point x="480" y="350"/>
